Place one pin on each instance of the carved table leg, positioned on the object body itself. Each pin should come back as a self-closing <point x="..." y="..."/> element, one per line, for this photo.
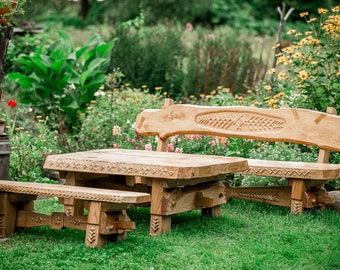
<point x="298" y="189"/>
<point x="159" y="223"/>
<point x="7" y="215"/>
<point x="93" y="236"/>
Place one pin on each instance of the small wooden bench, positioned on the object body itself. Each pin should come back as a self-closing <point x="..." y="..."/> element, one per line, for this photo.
<point x="300" y="126"/>
<point x="106" y="209"/>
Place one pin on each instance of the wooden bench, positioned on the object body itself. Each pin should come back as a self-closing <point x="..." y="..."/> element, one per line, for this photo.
<point x="106" y="209"/>
<point x="299" y="126"/>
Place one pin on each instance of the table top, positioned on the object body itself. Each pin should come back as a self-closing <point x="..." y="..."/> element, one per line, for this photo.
<point x="153" y="164"/>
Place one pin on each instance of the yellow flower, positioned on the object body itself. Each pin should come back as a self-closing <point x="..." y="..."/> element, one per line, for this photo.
<point x="298" y="34"/>
<point x="271" y="71"/>
<point x="267" y="87"/>
<point x="304" y="14"/>
<point x="213" y="92"/>
<point x="144" y="86"/>
<point x="290" y="32"/>
<point x="282" y="75"/>
<point x="307" y="33"/>
<point x="158" y="88"/>
<point x="338" y="73"/>
<point x="277" y="45"/>
<point x="296" y="55"/>
<point x="322" y="10"/>
<point x="314" y="62"/>
<point x="336" y="9"/>
<point x="303" y="75"/>
<point x="311" y="20"/>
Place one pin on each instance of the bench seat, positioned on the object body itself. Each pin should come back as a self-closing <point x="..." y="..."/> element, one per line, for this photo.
<point x="289" y="169"/>
<point x="106" y="209"/>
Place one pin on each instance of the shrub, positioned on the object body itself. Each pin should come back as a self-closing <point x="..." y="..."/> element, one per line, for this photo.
<point x="222" y="60"/>
<point x="308" y="71"/>
<point x="109" y="121"/>
<point x="28" y="152"/>
<point x="60" y="81"/>
<point x="150" y="56"/>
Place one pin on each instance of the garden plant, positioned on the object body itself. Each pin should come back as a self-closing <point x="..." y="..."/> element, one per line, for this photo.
<point x="75" y="96"/>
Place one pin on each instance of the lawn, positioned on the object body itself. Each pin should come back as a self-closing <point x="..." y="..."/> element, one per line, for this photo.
<point x="248" y="236"/>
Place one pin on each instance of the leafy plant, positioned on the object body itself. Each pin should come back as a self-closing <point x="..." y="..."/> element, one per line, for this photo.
<point x="59" y="81"/>
<point x="309" y="69"/>
<point x="28" y="153"/>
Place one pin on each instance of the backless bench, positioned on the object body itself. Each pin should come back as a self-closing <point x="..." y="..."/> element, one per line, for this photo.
<point x="300" y="126"/>
<point x="106" y="209"/>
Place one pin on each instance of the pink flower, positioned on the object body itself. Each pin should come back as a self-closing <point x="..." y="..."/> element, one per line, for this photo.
<point x="210" y="36"/>
<point x="212" y="143"/>
<point x="189" y="27"/>
<point x="179" y="150"/>
<point x="170" y="147"/>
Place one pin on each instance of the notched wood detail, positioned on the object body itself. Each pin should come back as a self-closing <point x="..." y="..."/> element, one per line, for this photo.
<point x="241" y="122"/>
<point x="91" y="235"/>
<point x="284" y="172"/>
<point x="266" y="195"/>
<point x="296" y="207"/>
<point x="155" y="224"/>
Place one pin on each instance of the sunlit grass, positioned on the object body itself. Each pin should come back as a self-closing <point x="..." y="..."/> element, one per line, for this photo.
<point x="247" y="236"/>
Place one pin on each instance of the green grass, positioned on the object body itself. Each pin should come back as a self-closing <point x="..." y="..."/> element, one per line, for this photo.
<point x="247" y="236"/>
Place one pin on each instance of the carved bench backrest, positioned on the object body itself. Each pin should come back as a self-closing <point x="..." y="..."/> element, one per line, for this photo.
<point x="293" y="125"/>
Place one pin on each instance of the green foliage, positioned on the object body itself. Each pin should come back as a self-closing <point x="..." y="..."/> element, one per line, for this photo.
<point x="28" y="153"/>
<point x="308" y="70"/>
<point x="149" y="56"/>
<point x="60" y="81"/>
<point x="109" y="121"/>
<point x="221" y="60"/>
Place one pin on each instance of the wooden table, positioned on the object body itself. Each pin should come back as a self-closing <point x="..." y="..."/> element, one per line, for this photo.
<point x="177" y="182"/>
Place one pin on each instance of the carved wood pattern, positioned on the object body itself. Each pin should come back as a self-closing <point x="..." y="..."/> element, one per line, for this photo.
<point x="107" y="168"/>
<point x="296" y="207"/>
<point x="38" y="219"/>
<point x="73" y="192"/>
<point x="57" y="221"/>
<point x="77" y="221"/>
<point x="285" y="172"/>
<point x="241" y="122"/>
<point x="267" y="195"/>
<point x="91" y="235"/>
<point x="155" y="224"/>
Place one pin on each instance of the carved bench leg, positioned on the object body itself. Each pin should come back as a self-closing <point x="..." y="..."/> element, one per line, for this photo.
<point x="298" y="189"/>
<point x="93" y="236"/>
<point x="8" y="213"/>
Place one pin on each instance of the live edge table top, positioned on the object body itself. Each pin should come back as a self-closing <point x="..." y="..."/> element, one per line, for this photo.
<point x="167" y="165"/>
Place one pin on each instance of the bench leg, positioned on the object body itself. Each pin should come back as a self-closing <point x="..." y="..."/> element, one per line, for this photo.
<point x="298" y="189"/>
<point x="93" y="236"/>
<point x="8" y="214"/>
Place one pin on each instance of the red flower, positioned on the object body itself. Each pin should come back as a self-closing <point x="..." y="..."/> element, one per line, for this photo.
<point x="11" y="103"/>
